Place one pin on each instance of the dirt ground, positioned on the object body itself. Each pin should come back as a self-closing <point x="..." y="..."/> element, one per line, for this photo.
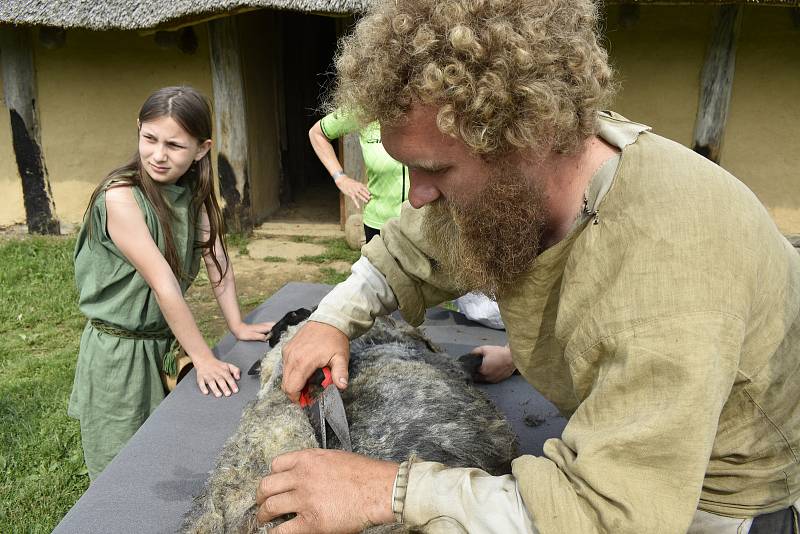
<point x="269" y="259"/>
<point x="257" y="278"/>
<point x="282" y="240"/>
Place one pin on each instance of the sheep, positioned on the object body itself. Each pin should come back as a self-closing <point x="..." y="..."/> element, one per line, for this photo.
<point x="404" y="397"/>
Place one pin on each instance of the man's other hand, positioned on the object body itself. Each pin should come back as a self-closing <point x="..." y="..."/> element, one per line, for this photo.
<point x="497" y="364"/>
<point x="329" y="490"/>
<point x="314" y="346"/>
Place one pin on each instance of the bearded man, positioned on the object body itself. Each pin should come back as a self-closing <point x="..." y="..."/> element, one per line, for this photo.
<point x="646" y="292"/>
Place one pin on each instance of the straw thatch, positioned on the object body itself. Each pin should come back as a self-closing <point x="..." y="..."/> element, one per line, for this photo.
<point x="782" y="3"/>
<point x="146" y="14"/>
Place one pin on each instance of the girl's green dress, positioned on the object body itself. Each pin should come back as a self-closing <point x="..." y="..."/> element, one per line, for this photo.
<point x="117" y="382"/>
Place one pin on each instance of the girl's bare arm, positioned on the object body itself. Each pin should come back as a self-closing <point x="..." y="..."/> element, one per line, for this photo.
<point x="225" y="291"/>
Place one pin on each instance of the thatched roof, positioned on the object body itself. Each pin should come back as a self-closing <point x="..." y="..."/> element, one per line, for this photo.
<point x="783" y="3"/>
<point x="145" y="14"/>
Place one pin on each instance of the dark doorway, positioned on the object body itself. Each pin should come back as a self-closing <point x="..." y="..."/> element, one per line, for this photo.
<point x="309" y="44"/>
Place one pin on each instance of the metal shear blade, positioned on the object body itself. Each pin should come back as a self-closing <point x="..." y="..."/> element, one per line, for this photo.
<point x="331" y="412"/>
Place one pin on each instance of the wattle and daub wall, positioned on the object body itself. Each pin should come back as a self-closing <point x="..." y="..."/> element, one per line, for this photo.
<point x="91" y="88"/>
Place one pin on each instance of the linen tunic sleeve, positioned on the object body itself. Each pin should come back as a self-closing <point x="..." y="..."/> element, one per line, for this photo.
<point x="635" y="452"/>
<point x="353" y="305"/>
<point x="463" y="500"/>
<point x="407" y="261"/>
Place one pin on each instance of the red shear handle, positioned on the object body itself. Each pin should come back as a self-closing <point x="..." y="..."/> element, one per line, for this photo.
<point x="306" y="399"/>
<point x="328" y="378"/>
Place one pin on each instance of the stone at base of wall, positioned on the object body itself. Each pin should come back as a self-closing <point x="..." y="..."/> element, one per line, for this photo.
<point x="354" y="231"/>
<point x="21" y="229"/>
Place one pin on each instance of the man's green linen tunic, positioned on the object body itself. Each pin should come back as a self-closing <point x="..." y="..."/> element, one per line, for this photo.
<point x="117" y="383"/>
<point x="667" y="329"/>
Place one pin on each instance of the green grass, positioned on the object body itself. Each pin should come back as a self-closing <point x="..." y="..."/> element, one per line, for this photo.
<point x="335" y="250"/>
<point x="332" y="277"/>
<point x="302" y="239"/>
<point x="274" y="259"/>
<point x="238" y="242"/>
<point x="245" y="303"/>
<point x="41" y="461"/>
<point x="449" y="305"/>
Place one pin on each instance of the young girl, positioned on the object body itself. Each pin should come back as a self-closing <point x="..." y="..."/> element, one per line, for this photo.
<point x="138" y="251"/>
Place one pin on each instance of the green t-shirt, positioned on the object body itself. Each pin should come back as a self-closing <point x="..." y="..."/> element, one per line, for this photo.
<point x="387" y="179"/>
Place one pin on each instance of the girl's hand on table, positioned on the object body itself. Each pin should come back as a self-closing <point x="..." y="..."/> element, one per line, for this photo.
<point x="216" y="376"/>
<point x="252" y="332"/>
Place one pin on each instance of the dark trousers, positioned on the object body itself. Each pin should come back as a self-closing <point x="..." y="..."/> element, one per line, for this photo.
<point x="370" y="232"/>
<point x="780" y="522"/>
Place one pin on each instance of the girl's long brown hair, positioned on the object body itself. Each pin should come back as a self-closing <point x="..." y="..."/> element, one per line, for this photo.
<point x="192" y="111"/>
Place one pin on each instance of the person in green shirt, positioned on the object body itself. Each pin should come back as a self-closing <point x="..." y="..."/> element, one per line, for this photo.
<point x="138" y="251"/>
<point x="387" y="180"/>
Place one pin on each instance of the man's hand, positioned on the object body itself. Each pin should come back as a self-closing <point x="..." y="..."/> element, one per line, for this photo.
<point x="329" y="490"/>
<point x="315" y="345"/>
<point x="497" y="364"/>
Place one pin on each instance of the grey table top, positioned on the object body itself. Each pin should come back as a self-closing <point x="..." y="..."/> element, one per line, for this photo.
<point x="150" y="484"/>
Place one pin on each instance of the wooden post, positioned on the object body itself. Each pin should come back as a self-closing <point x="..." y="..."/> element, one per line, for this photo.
<point x="716" y="82"/>
<point x="351" y="217"/>
<point x="353" y="163"/>
<point x="230" y="123"/>
<point x="350" y="145"/>
<point x="19" y="88"/>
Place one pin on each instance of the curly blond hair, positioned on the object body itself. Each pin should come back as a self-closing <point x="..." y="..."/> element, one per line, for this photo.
<point x="505" y="74"/>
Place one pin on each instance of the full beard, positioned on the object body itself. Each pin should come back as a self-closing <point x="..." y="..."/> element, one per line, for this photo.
<point x="486" y="243"/>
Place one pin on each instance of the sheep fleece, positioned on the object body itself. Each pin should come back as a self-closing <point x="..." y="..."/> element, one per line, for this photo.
<point x="405" y="397"/>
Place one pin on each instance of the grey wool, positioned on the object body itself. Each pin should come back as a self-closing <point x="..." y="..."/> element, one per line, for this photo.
<point x="404" y="397"/>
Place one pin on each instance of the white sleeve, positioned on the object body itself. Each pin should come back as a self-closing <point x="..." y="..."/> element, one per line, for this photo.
<point x="353" y="305"/>
<point x="442" y="499"/>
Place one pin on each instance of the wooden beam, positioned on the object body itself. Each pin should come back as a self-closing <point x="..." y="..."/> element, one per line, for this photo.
<point x="52" y="37"/>
<point x="230" y="123"/>
<point x="629" y="15"/>
<point x="184" y="40"/>
<point x="19" y="89"/>
<point x="716" y="82"/>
